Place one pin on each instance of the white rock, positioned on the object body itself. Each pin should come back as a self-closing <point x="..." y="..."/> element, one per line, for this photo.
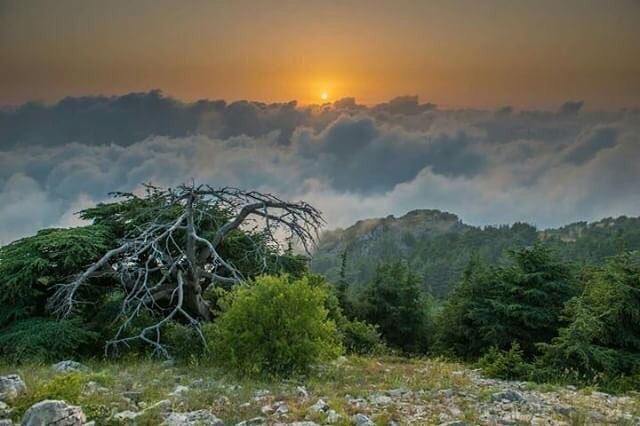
<point x="5" y="410"/>
<point x="319" y="407"/>
<point x="179" y="390"/>
<point x="6" y="422"/>
<point x="11" y="387"/>
<point x="193" y="418"/>
<point x="362" y="420"/>
<point x="302" y="392"/>
<point x="52" y="412"/>
<point x="69" y="366"/>
<point x="333" y="417"/>
<point x="305" y="423"/>
<point x="378" y="399"/>
<point x="127" y="416"/>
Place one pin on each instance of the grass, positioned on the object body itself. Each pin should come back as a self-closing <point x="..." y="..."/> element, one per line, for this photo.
<point x="100" y="391"/>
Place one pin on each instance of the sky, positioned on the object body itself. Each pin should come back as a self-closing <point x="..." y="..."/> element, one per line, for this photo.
<point x="458" y="53"/>
<point x="497" y="111"/>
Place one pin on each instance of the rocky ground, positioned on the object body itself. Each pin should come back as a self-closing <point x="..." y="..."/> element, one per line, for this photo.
<point x="352" y="391"/>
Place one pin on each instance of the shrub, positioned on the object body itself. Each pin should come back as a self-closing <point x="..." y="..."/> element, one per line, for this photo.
<point x="44" y="339"/>
<point x="183" y="341"/>
<point x="508" y="365"/>
<point x="361" y="338"/>
<point x="274" y="326"/>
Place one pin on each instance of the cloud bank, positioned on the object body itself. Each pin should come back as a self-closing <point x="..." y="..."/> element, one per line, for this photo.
<point x="352" y="161"/>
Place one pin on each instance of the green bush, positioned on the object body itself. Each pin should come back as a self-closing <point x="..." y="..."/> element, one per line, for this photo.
<point x="361" y="338"/>
<point x="44" y="339"/>
<point x="274" y="326"/>
<point x="183" y="341"/>
<point x="508" y="365"/>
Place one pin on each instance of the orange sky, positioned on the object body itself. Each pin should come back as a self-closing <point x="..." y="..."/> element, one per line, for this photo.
<point x="454" y="53"/>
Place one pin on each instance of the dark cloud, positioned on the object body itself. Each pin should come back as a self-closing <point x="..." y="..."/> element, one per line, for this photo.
<point x="571" y="107"/>
<point x="353" y="161"/>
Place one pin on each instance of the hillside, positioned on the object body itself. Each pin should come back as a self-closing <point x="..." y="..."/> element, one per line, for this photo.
<point x="438" y="244"/>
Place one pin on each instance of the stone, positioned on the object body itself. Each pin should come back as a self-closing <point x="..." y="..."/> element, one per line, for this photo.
<point x="135" y="396"/>
<point x="69" y="366"/>
<point x="179" y="390"/>
<point x="6" y="422"/>
<point x="193" y="418"/>
<point x="305" y="423"/>
<point x="11" y="387"/>
<point x="5" y="410"/>
<point x="398" y="393"/>
<point x="507" y="395"/>
<point x="378" y="399"/>
<point x="319" y="407"/>
<point x="53" y="412"/>
<point x="302" y="392"/>
<point x="333" y="417"/>
<point x="362" y="420"/>
<point x="94" y="387"/>
<point x="127" y="416"/>
<point x="453" y="423"/>
<point x="282" y="410"/>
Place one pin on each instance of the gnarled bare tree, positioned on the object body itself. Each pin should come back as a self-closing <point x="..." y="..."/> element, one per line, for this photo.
<point x="171" y="252"/>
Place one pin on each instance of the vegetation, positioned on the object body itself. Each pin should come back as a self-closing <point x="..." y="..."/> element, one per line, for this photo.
<point x="274" y="326"/>
<point x="202" y="276"/>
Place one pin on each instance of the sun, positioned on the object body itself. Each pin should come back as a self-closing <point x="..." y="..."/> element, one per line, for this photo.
<point x="324" y="96"/>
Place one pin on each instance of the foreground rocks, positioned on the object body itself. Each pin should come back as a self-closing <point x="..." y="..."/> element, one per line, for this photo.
<point x="361" y="392"/>
<point x="11" y="387"/>
<point x="52" y="412"/>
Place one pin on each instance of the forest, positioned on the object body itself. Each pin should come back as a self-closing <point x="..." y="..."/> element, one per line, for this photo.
<point x="222" y="276"/>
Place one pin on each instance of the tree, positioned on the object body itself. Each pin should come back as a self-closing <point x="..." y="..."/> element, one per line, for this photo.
<point x="604" y="331"/>
<point x="160" y="252"/>
<point x="395" y="302"/>
<point x="521" y="302"/>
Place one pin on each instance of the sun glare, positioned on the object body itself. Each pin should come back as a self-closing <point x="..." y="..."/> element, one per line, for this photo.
<point x="324" y="96"/>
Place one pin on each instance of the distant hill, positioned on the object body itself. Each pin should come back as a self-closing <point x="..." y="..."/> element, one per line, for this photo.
<point x="438" y="245"/>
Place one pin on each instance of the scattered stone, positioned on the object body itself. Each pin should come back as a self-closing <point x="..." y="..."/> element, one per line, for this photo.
<point x="52" y="412"/>
<point x="453" y="423"/>
<point x="5" y="410"/>
<point x="320" y="407"/>
<point x="135" y="396"/>
<point x="398" y="393"/>
<point x="11" y="387"/>
<point x="193" y="418"/>
<point x="127" y="416"/>
<point x="302" y="392"/>
<point x="179" y="390"/>
<point x="333" y="417"/>
<point x="6" y="422"/>
<point x="507" y="395"/>
<point x="282" y="410"/>
<point x="362" y="420"/>
<point x="378" y="399"/>
<point x="305" y="423"/>
<point x="69" y="366"/>
<point x="94" y="387"/>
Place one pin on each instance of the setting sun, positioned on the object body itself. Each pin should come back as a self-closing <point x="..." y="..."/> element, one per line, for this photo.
<point x="324" y="96"/>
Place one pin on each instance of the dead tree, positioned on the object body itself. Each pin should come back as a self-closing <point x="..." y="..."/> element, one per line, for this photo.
<point x="166" y="263"/>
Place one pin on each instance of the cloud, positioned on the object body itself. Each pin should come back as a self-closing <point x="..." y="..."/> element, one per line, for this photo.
<point x="353" y="161"/>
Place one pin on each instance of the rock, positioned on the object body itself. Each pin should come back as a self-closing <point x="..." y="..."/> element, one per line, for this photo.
<point x="398" y="393"/>
<point x="168" y="363"/>
<point x="179" y="390"/>
<point x="193" y="418"/>
<point x="333" y="417"/>
<point x="127" y="416"/>
<point x="163" y="405"/>
<point x="135" y="396"/>
<point x="302" y="392"/>
<point x="453" y="423"/>
<point x="341" y="360"/>
<point x="11" y="387"/>
<point x="93" y="387"/>
<point x="320" y="407"/>
<point x="267" y="409"/>
<point x="69" y="366"/>
<point x="305" y="423"/>
<point x="52" y="412"/>
<point x="378" y="399"/>
<point x="282" y="410"/>
<point x="256" y="421"/>
<point x="507" y="395"/>
<point x="362" y="420"/>
<point x="6" y="422"/>
<point x="5" y="410"/>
